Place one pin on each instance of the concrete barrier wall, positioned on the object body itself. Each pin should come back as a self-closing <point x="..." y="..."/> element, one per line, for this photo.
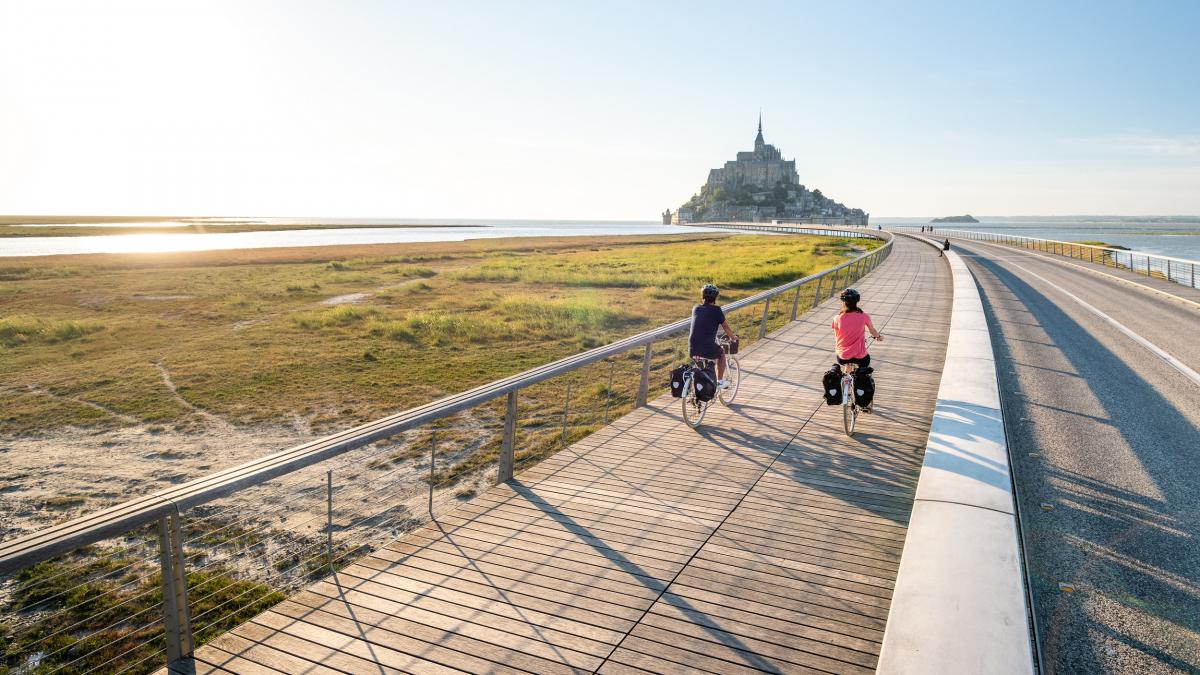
<point x="959" y="605"/>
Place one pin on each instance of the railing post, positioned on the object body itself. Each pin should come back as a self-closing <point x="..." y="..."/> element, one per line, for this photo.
<point x="762" y="325"/>
<point x="817" y="293"/>
<point x="566" y="412"/>
<point x="177" y="623"/>
<point x="1168" y="270"/>
<point x="1193" y="275"/>
<point x="432" y="467"/>
<point x="329" y="511"/>
<point x="507" y="455"/>
<point x="608" y="391"/>
<point x="796" y="301"/>
<point x="644" y="384"/>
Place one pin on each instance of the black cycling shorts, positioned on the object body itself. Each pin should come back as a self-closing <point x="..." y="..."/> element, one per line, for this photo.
<point x="708" y="351"/>
<point x="861" y="363"/>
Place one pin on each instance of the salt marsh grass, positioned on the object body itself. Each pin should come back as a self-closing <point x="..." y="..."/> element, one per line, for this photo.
<point x="262" y="336"/>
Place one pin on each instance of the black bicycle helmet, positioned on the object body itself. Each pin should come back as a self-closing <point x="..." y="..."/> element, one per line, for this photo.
<point x="850" y="295"/>
<point x="710" y="292"/>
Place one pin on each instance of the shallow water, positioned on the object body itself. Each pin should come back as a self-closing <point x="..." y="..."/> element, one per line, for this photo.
<point x="481" y="229"/>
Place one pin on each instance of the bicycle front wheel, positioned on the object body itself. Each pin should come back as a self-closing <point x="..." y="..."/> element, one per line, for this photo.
<point x="693" y="408"/>
<point x="849" y="417"/>
<point x="733" y="374"/>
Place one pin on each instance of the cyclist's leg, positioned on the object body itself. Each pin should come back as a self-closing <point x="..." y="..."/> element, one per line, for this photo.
<point x="721" y="366"/>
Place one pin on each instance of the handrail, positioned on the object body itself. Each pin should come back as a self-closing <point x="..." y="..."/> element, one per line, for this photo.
<point x="26" y="550"/>
<point x="1166" y="265"/>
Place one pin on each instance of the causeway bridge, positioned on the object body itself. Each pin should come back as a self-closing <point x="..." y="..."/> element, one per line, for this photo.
<point x="767" y="540"/>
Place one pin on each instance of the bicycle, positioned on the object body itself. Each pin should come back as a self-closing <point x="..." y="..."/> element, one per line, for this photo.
<point x="693" y="408"/>
<point x="850" y="405"/>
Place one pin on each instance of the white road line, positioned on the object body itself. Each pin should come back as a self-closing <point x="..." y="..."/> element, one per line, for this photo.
<point x="1150" y="346"/>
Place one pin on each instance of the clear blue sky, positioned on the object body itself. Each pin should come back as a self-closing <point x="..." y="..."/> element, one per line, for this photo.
<point x="597" y="110"/>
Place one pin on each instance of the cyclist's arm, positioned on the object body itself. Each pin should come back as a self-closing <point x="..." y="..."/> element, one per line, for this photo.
<point x="728" y="331"/>
<point x="874" y="333"/>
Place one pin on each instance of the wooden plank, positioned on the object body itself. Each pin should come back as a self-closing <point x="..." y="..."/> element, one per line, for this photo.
<point x="239" y="654"/>
<point x="482" y="596"/>
<point x="360" y="646"/>
<point x="448" y="617"/>
<point x="793" y="607"/>
<point x="778" y="630"/>
<point x="471" y="581"/>
<point x="609" y="545"/>
<point x="472" y="608"/>
<point x="480" y="570"/>
<point x="449" y="636"/>
<point x="462" y="553"/>
<point x="640" y="652"/>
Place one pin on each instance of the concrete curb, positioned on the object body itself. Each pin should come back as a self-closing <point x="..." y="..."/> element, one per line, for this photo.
<point x="959" y="605"/>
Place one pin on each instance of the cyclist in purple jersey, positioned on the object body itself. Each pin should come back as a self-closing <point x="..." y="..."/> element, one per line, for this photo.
<point x="706" y="319"/>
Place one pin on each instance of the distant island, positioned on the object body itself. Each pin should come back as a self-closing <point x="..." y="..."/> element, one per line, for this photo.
<point x="955" y="219"/>
<point x="761" y="186"/>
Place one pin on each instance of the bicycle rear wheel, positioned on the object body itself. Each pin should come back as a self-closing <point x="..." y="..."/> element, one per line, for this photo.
<point x="733" y="374"/>
<point x="849" y="417"/>
<point x="693" y="408"/>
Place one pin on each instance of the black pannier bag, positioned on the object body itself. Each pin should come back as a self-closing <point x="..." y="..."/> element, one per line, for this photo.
<point x="831" y="386"/>
<point x="677" y="381"/>
<point x="864" y="386"/>
<point x="705" y="382"/>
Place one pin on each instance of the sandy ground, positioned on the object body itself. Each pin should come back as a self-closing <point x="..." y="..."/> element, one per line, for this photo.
<point x="380" y="491"/>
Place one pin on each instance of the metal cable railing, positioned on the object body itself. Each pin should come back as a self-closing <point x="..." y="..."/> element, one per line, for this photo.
<point x="140" y="584"/>
<point x="1177" y="270"/>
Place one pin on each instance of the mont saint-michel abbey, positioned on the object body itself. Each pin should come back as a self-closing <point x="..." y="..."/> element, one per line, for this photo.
<point x="761" y="186"/>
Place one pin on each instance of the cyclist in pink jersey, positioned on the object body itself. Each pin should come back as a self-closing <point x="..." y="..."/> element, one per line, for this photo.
<point x="850" y="328"/>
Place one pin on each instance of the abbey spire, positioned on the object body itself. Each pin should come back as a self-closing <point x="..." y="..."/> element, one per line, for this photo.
<point x="758" y="140"/>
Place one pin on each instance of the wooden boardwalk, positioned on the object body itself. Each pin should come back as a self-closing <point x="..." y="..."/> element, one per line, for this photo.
<point x="765" y="541"/>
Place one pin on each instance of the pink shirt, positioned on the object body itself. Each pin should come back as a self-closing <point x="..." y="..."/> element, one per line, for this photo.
<point x="849" y="329"/>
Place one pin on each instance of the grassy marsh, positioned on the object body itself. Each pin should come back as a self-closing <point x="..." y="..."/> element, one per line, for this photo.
<point x="341" y="336"/>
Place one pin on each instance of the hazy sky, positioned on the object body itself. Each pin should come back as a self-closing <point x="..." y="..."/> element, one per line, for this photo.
<point x="593" y="110"/>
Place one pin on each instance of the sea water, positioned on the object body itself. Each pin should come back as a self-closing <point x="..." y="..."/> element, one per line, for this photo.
<point x="432" y="231"/>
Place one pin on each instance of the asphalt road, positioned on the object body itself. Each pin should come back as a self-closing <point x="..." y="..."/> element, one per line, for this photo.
<point x="1105" y="439"/>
